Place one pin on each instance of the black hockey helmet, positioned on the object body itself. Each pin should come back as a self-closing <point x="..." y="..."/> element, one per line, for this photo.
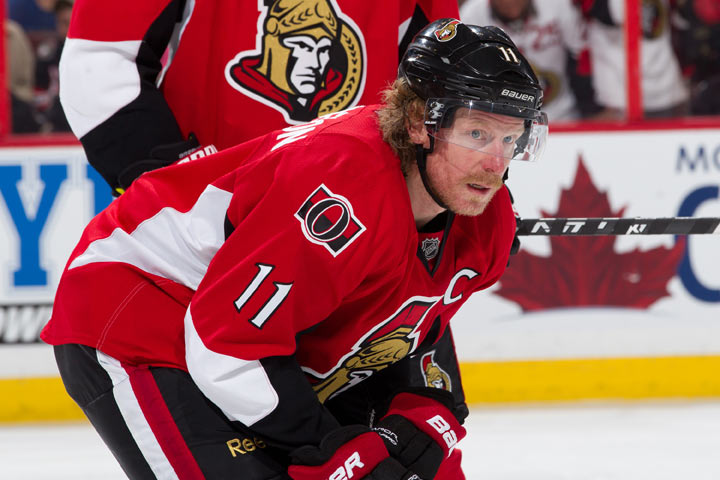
<point x="450" y="64"/>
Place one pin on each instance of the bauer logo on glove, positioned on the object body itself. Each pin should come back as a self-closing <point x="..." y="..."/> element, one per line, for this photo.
<point x="444" y="429"/>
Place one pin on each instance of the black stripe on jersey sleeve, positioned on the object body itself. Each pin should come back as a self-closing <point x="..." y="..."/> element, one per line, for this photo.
<point x="299" y="418"/>
<point x="418" y="22"/>
<point x="228" y="227"/>
<point x="130" y="134"/>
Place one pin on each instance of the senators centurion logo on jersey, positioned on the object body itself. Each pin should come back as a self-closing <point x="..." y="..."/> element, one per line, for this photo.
<point x="390" y="341"/>
<point x="434" y="375"/>
<point x="327" y="219"/>
<point x="309" y="60"/>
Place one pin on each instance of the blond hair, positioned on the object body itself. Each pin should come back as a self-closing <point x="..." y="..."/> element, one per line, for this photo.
<point x="402" y="108"/>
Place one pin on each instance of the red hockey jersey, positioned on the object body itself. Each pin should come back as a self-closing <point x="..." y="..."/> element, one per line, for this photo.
<point x="277" y="272"/>
<point x="142" y="73"/>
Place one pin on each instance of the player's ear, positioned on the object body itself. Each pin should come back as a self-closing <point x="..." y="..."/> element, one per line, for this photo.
<point x="418" y="133"/>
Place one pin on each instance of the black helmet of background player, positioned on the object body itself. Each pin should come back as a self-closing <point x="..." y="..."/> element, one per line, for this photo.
<point x="457" y="68"/>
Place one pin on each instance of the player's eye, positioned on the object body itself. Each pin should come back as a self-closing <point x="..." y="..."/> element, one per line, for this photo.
<point x="509" y="139"/>
<point x="477" y="134"/>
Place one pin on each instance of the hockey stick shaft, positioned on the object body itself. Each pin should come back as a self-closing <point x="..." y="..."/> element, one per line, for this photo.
<point x="619" y="226"/>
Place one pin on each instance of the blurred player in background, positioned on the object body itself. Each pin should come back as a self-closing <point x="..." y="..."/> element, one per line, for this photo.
<point x="20" y="78"/>
<point x="264" y="312"/>
<point x="46" y="71"/>
<point x="696" y="38"/>
<point x="664" y="91"/>
<point x="553" y="37"/>
<point x="144" y="83"/>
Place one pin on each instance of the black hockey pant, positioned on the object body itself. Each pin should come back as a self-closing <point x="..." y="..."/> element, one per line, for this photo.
<point x="158" y="424"/>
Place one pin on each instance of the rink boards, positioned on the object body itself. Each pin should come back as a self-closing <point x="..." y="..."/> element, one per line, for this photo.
<point x="629" y="317"/>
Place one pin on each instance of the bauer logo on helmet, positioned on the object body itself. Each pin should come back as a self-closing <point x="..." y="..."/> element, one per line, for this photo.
<point x="517" y="95"/>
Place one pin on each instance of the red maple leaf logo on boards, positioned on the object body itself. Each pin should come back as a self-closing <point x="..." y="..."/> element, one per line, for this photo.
<point x="586" y="271"/>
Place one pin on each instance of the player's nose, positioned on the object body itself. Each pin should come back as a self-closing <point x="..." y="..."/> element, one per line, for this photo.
<point x="492" y="160"/>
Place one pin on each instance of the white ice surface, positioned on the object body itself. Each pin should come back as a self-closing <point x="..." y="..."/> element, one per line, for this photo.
<point x="659" y="441"/>
<point x="668" y="441"/>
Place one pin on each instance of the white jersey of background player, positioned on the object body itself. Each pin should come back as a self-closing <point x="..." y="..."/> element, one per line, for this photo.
<point x="662" y="83"/>
<point x="552" y="29"/>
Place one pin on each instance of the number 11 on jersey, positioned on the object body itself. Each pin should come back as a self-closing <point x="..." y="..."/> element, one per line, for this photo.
<point x="272" y="304"/>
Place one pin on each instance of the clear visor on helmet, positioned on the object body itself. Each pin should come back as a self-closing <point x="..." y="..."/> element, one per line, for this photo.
<point x="501" y="130"/>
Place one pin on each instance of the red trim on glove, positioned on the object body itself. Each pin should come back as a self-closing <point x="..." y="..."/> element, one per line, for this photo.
<point x="354" y="459"/>
<point x="431" y="417"/>
<point x="451" y="468"/>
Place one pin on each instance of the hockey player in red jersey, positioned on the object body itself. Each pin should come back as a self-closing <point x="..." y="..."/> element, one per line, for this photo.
<point x="256" y="313"/>
<point x="138" y="77"/>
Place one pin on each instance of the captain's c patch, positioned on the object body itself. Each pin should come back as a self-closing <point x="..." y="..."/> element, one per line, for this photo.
<point x="327" y="219"/>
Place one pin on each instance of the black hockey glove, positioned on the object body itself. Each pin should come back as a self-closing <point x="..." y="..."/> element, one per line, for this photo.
<point x="354" y="452"/>
<point x="160" y="156"/>
<point x="421" y="428"/>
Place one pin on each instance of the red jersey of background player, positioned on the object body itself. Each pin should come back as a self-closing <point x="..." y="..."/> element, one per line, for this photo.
<point x="301" y="256"/>
<point x="143" y="73"/>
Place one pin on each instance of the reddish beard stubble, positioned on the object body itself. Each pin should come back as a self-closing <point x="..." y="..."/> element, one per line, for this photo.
<point x="463" y="202"/>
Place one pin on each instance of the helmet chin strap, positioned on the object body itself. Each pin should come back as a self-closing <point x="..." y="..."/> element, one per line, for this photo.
<point x="421" y="154"/>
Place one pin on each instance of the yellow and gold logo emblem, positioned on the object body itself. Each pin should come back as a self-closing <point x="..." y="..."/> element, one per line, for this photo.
<point x="376" y="355"/>
<point x="309" y="60"/>
<point x="447" y="32"/>
<point x="434" y="375"/>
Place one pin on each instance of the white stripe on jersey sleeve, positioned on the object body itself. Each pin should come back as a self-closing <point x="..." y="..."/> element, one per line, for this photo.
<point x="176" y="38"/>
<point x="403" y="28"/>
<point x="241" y="388"/>
<point x="135" y="418"/>
<point x="88" y="71"/>
<point x="171" y="244"/>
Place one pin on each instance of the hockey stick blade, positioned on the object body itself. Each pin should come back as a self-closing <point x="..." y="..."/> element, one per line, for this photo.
<point x="619" y="226"/>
